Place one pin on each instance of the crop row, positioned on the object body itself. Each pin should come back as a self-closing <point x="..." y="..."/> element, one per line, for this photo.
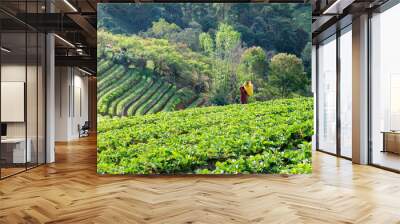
<point x="126" y="91"/>
<point x="144" y="98"/>
<point x="126" y="77"/>
<point x="133" y="96"/>
<point x="197" y="102"/>
<point x="103" y="66"/>
<point x="114" y="73"/>
<point x="163" y="101"/>
<point x="154" y="99"/>
<point x="105" y="100"/>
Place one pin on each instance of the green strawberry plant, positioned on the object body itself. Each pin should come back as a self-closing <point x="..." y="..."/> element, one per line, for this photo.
<point x="271" y="137"/>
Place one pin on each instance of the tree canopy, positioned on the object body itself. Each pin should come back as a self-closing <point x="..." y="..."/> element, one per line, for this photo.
<point x="287" y="74"/>
<point x="274" y="27"/>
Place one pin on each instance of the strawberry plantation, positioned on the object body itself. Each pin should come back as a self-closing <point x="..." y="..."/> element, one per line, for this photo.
<point x="271" y="137"/>
<point x="169" y="80"/>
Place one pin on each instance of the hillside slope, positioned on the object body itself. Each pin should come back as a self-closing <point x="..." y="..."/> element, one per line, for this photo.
<point x="126" y="91"/>
<point x="267" y="137"/>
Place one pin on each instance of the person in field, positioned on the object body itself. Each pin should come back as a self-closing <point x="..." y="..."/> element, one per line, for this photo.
<point x="246" y="90"/>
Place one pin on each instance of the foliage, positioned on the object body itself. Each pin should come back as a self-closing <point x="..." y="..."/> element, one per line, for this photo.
<point x="188" y="37"/>
<point x="162" y="29"/>
<point x="253" y="65"/>
<point x="286" y="74"/>
<point x="268" y="137"/>
<point x="167" y="57"/>
<point x="274" y="27"/>
<point x="228" y="49"/>
<point x="226" y="39"/>
<point x="206" y="43"/>
<point x="208" y="48"/>
<point x="174" y="34"/>
<point x="171" y="62"/>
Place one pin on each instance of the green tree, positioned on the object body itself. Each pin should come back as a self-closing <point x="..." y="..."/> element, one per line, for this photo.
<point x="228" y="49"/>
<point x="206" y="43"/>
<point x="188" y="37"/>
<point x="162" y="29"/>
<point x="253" y="64"/>
<point x="286" y="74"/>
<point x="226" y="39"/>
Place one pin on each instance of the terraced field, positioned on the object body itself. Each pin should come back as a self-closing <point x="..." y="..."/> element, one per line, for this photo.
<point x="125" y="91"/>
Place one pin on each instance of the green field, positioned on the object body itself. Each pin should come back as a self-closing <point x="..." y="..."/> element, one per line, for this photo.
<point x="263" y="137"/>
<point x="169" y="88"/>
<point x="126" y="91"/>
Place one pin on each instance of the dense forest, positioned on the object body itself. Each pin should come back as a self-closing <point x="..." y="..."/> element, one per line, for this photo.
<point x="274" y="27"/>
<point x="199" y="54"/>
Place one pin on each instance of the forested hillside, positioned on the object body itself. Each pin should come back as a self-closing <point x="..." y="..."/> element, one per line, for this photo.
<point x="164" y="57"/>
<point x="274" y="27"/>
